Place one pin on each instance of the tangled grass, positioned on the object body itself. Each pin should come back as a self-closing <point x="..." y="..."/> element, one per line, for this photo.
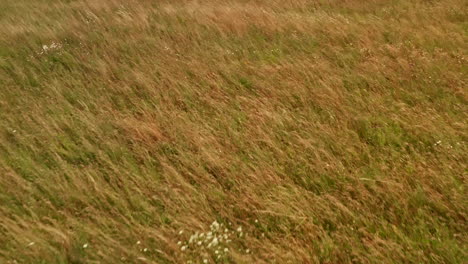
<point x="340" y="125"/>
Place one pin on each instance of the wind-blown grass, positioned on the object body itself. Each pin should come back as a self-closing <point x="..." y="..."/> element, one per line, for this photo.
<point x="339" y="125"/>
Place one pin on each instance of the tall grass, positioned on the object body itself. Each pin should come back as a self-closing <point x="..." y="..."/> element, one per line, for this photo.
<point x="331" y="131"/>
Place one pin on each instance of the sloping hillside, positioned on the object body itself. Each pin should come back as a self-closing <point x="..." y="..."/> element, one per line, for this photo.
<point x="233" y="131"/>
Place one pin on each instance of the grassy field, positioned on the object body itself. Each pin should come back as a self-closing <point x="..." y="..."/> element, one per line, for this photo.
<point x="295" y="131"/>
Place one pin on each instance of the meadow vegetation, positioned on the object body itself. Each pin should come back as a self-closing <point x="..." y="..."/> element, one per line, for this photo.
<point x="330" y="131"/>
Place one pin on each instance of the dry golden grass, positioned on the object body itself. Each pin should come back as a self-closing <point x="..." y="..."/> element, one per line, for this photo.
<point x="340" y="126"/>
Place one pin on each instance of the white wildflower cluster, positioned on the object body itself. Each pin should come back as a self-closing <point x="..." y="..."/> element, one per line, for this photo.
<point x="49" y="48"/>
<point x="446" y="145"/>
<point x="212" y="246"/>
<point x="141" y="247"/>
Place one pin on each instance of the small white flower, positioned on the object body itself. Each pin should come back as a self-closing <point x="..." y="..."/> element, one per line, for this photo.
<point x="199" y="243"/>
<point x="239" y="229"/>
<point x="214" y="226"/>
<point x="193" y="238"/>
<point x="216" y="252"/>
<point x="247" y="251"/>
<point x="213" y="243"/>
<point x="85" y="245"/>
<point x="138" y="242"/>
<point x="183" y="248"/>
<point x="226" y="249"/>
<point x="145" y="249"/>
<point x="205" y="261"/>
<point x="181" y="232"/>
<point x="179" y="243"/>
<point x="256" y="221"/>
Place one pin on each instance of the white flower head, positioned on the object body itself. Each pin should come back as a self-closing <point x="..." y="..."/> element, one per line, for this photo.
<point x="85" y="245"/>
<point x="214" y="242"/>
<point x="193" y="238"/>
<point x="214" y="226"/>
